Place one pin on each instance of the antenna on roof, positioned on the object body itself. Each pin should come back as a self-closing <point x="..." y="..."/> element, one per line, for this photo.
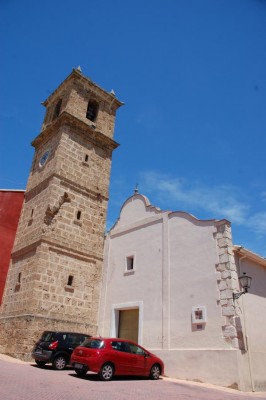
<point x="136" y="190"/>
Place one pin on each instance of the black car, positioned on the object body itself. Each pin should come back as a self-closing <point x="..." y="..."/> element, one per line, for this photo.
<point x="56" y="348"/>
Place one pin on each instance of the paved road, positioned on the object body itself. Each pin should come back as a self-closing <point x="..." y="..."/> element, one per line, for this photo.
<point x="25" y="381"/>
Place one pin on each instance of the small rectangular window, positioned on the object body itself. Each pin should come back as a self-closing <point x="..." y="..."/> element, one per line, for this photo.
<point x="78" y="218"/>
<point x="86" y="158"/>
<point x="18" y="283"/>
<point x="130" y="263"/>
<point x="70" y="280"/>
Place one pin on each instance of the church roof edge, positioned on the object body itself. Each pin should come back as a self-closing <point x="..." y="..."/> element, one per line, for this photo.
<point x="157" y="210"/>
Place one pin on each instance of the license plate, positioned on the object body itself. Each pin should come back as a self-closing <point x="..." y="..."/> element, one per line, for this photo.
<point x="78" y="366"/>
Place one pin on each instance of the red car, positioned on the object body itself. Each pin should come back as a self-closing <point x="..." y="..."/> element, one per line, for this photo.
<point x="115" y="356"/>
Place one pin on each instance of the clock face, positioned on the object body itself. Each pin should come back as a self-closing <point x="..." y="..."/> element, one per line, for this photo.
<point x="44" y="158"/>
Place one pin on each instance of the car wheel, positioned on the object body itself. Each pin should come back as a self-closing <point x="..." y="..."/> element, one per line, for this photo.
<point x="40" y="363"/>
<point x="59" y="362"/>
<point x="155" y="372"/>
<point x="107" y="372"/>
<point x="80" y="372"/>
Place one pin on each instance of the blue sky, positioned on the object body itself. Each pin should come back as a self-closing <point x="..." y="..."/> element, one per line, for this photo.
<point x="192" y="74"/>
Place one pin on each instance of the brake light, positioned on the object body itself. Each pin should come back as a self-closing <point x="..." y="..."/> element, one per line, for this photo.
<point x="53" y="345"/>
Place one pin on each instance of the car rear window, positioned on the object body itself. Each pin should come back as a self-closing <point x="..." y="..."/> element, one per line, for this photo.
<point x="75" y="339"/>
<point x="93" y="343"/>
<point x="48" y="336"/>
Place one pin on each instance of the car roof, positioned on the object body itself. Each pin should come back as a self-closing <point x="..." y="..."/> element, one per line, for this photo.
<point x="108" y="339"/>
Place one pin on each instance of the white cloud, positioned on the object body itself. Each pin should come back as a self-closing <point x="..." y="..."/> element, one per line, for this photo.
<point x="202" y="200"/>
<point x="263" y="196"/>
<point x="258" y="222"/>
<point x="221" y="201"/>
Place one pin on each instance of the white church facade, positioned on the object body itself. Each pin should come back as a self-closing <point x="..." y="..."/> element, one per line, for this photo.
<point x="170" y="283"/>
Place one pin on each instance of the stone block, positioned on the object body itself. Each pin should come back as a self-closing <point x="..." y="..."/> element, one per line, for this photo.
<point x="226" y="294"/>
<point x="224" y="242"/>
<point x="229" y="331"/>
<point x="222" y="285"/>
<point x="228" y="311"/>
<point x="220" y="267"/>
<point x="224" y="258"/>
<point x="218" y="275"/>
<point x="226" y="274"/>
<point x="224" y="302"/>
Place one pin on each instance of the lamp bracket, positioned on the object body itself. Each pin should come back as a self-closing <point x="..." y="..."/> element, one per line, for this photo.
<point x="237" y="295"/>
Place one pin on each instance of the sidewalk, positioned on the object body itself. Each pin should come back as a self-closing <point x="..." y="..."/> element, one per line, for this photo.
<point x="4" y="357"/>
<point x="260" y="395"/>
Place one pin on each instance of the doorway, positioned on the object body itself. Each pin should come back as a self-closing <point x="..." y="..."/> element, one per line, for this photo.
<point x="128" y="325"/>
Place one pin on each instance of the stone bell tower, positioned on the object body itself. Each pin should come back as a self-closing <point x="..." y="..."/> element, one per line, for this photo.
<point x="56" y="263"/>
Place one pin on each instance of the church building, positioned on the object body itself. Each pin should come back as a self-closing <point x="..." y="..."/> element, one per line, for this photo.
<point x="173" y="283"/>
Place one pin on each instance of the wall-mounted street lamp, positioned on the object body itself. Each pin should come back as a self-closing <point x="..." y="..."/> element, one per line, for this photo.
<point x="245" y="282"/>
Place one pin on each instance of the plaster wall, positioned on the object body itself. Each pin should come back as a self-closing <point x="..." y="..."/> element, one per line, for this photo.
<point x="10" y="207"/>
<point x="182" y="264"/>
<point x="143" y="284"/>
<point x="188" y="364"/>
<point x="174" y="270"/>
<point x="193" y="283"/>
<point x="168" y="280"/>
<point x="251" y="309"/>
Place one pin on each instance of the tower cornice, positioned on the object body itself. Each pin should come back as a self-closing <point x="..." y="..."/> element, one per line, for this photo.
<point x="96" y="89"/>
<point x="68" y="120"/>
<point x="65" y="183"/>
<point x="57" y="247"/>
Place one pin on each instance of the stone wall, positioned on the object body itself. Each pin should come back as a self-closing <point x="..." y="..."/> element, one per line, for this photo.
<point x="56" y="267"/>
<point x="76" y="101"/>
<point x="19" y="334"/>
<point x="227" y="283"/>
<point x="55" y="283"/>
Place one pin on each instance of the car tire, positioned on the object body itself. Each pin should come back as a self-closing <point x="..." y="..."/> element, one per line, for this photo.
<point x="40" y="363"/>
<point x="107" y="372"/>
<point x="59" y="362"/>
<point x="155" y="372"/>
<point x="80" y="372"/>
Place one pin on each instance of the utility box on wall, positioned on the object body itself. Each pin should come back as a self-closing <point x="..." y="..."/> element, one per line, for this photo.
<point x="199" y="315"/>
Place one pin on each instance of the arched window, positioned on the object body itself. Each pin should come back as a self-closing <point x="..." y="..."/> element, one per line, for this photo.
<point x="92" y="110"/>
<point x="57" y="109"/>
